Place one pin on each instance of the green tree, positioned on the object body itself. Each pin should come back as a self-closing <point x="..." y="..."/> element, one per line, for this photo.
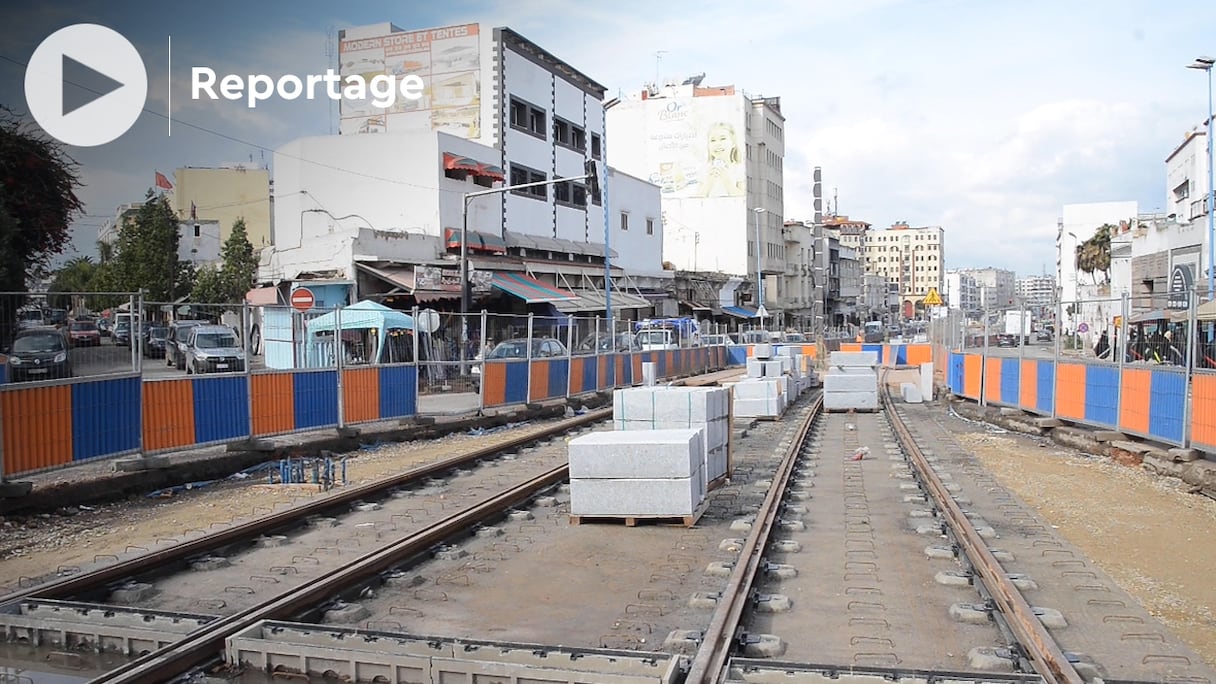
<point x="38" y="202"/>
<point x="146" y="254"/>
<point x="228" y="283"/>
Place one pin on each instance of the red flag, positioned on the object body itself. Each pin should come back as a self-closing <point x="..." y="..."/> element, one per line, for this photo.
<point x="193" y="212"/>
<point x="162" y="181"/>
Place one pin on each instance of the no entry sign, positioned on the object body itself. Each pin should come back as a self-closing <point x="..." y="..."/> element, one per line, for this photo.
<point x="302" y="299"/>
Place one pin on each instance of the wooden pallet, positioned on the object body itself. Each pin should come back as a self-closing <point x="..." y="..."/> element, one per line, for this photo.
<point x="635" y="520"/>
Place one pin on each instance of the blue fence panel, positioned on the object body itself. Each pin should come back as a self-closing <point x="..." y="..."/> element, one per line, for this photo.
<point x="559" y="377"/>
<point x="105" y="417"/>
<point x="590" y="373"/>
<point x="955" y="379"/>
<point x="316" y="398"/>
<point x="899" y="354"/>
<point x="1011" y="376"/>
<point x="1167" y="405"/>
<point x="517" y="382"/>
<point x="1102" y="395"/>
<point x="221" y="408"/>
<point x="398" y="391"/>
<point x="1046" y="387"/>
<point x="736" y="356"/>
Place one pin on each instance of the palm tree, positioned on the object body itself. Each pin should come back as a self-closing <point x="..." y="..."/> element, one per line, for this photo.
<point x="1093" y="255"/>
<point x="105" y="251"/>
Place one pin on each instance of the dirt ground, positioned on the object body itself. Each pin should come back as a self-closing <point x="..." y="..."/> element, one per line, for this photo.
<point x="34" y="547"/>
<point x="1148" y="533"/>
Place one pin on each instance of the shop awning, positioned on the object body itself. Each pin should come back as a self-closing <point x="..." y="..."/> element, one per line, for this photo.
<point x="478" y="242"/>
<point x="591" y="300"/>
<point x="404" y="278"/>
<point x="530" y="289"/>
<point x="739" y="311"/>
<point x="459" y="162"/>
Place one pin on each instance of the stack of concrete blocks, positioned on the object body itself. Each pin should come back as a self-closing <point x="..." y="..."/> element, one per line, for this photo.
<point x="766" y="391"/>
<point x="803" y="371"/>
<point x="851" y="382"/>
<point x="656" y="473"/>
<point x="706" y="409"/>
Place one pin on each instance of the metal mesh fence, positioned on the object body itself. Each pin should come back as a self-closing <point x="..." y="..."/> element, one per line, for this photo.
<point x="57" y="336"/>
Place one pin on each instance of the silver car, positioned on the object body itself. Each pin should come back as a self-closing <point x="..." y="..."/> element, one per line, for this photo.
<point x="214" y="349"/>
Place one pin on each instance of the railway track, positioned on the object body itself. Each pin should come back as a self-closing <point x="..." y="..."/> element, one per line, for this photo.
<point x="835" y="629"/>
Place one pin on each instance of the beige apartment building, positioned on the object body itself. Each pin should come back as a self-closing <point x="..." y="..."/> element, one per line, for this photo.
<point x="911" y="259"/>
<point x="223" y="195"/>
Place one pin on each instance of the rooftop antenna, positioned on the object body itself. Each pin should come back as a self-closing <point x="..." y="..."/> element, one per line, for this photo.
<point x="835" y="202"/>
<point x="330" y="53"/>
<point x="658" y="57"/>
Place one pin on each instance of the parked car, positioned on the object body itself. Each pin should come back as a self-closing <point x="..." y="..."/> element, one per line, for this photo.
<point x="122" y="333"/>
<point x="213" y="349"/>
<point x="1006" y="340"/>
<point x="625" y="342"/>
<point x="84" y="333"/>
<point x="542" y="348"/>
<point x="104" y="325"/>
<point x="39" y="354"/>
<point x="175" y="342"/>
<point x="154" y="341"/>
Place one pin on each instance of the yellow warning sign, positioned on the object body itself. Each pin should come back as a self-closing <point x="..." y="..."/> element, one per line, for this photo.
<point x="933" y="298"/>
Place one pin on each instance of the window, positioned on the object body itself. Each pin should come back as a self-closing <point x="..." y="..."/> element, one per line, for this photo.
<point x="522" y="174"/>
<point x="529" y="118"/>
<point x="561" y="192"/>
<point x="578" y="138"/>
<point x="561" y="131"/>
<point x="624" y="220"/>
<point x="650" y="226"/>
<point x="579" y="195"/>
<point x="197" y="230"/>
<point x="596" y="147"/>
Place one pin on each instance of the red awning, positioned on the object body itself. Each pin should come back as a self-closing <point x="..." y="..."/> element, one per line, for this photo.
<point x="477" y="168"/>
<point x="479" y="242"/>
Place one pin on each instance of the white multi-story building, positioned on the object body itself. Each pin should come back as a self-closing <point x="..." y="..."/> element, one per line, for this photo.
<point x="911" y="259"/>
<point x="199" y="241"/>
<point x="1036" y="292"/>
<point x="718" y="155"/>
<point x="961" y="292"/>
<point x="1186" y="179"/>
<point x="380" y="208"/>
<point x="1086" y="299"/>
<point x="997" y="287"/>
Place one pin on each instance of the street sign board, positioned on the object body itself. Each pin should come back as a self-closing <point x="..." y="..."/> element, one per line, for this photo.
<point x="933" y="298"/>
<point x="302" y="299"/>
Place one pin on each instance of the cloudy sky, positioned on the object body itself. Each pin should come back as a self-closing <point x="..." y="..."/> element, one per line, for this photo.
<point x="982" y="117"/>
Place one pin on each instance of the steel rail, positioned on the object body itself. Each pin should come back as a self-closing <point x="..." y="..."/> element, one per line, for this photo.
<point x="713" y="655"/>
<point x="144" y="563"/>
<point x="202" y="645"/>
<point x="1044" y="653"/>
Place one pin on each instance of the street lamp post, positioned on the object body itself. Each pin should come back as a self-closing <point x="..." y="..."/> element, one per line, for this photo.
<point x="592" y="178"/>
<point x="760" y="310"/>
<point x="1076" y="293"/>
<point x="1205" y="64"/>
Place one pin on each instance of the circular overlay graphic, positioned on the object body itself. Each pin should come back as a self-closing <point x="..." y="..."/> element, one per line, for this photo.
<point x="86" y="85"/>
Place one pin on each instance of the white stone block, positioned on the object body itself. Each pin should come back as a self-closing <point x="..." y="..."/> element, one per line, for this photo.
<point x="843" y="401"/>
<point x="755" y="368"/>
<point x="850" y="382"/>
<point x="770" y="407"/>
<point x="865" y="358"/>
<point x="926" y="381"/>
<point x="758" y="389"/>
<point x="762" y="351"/>
<point x="910" y="392"/>
<point x="656" y="497"/>
<point x="637" y="454"/>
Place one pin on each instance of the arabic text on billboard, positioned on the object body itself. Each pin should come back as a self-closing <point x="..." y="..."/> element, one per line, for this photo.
<point x="447" y="59"/>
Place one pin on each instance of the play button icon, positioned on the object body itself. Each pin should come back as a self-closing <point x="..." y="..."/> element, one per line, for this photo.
<point x="86" y="85"/>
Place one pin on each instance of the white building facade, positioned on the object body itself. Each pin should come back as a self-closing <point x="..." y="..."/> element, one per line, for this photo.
<point x="961" y="292"/>
<point x="718" y="156"/>
<point x="911" y="259"/>
<point x="373" y="206"/>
